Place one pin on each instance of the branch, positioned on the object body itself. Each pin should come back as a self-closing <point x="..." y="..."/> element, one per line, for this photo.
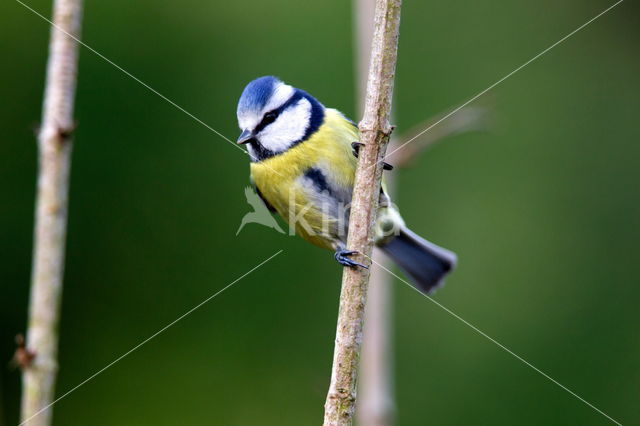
<point x="376" y="405"/>
<point x="376" y="402"/>
<point x="54" y="142"/>
<point x="375" y="131"/>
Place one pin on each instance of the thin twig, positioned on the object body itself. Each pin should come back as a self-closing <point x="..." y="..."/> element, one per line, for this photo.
<point x="375" y="131"/>
<point x="54" y="143"/>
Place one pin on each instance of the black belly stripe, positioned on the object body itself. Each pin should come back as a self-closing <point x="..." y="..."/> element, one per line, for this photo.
<point x="318" y="178"/>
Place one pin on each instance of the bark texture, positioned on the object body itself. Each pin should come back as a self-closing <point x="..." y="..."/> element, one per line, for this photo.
<point x="376" y="405"/>
<point x="54" y="144"/>
<point x="375" y="131"/>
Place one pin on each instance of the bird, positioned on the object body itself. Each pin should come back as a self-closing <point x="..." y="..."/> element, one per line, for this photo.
<point x="303" y="159"/>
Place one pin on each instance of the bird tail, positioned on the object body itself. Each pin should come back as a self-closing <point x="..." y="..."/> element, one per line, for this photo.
<point x="424" y="262"/>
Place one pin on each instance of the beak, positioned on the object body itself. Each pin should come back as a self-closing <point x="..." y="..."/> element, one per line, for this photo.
<point x="245" y="137"/>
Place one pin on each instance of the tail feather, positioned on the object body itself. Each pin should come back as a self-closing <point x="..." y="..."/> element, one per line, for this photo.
<point x="424" y="262"/>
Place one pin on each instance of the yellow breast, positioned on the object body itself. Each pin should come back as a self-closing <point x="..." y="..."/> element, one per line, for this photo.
<point x="278" y="178"/>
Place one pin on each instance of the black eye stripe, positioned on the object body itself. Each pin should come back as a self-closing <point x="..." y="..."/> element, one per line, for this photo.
<point x="269" y="117"/>
<point x="260" y="152"/>
<point x="276" y="112"/>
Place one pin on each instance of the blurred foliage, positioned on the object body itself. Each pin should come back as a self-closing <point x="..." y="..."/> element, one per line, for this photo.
<point x="544" y="214"/>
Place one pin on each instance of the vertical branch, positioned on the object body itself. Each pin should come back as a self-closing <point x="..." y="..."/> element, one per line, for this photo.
<point x="375" y="389"/>
<point x="375" y="131"/>
<point x="376" y="406"/>
<point x="54" y="144"/>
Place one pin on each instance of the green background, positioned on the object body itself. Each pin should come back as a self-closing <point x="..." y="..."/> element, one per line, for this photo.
<point x="543" y="211"/>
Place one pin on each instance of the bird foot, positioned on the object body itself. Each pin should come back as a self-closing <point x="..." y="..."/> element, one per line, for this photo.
<point x="356" y="150"/>
<point x="341" y="256"/>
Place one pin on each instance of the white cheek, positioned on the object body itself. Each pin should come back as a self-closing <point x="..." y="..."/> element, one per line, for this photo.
<point x="290" y="127"/>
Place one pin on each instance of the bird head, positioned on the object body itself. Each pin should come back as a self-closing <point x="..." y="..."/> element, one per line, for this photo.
<point x="274" y="117"/>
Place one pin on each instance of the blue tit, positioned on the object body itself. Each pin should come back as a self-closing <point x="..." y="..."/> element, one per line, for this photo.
<point x="303" y="163"/>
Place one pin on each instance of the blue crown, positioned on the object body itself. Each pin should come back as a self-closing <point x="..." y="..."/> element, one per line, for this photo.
<point x="257" y="93"/>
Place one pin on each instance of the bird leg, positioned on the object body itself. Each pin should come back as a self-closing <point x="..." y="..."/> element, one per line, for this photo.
<point x="356" y="149"/>
<point x="341" y="255"/>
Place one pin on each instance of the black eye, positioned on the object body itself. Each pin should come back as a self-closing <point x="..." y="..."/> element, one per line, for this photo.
<point x="269" y="118"/>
